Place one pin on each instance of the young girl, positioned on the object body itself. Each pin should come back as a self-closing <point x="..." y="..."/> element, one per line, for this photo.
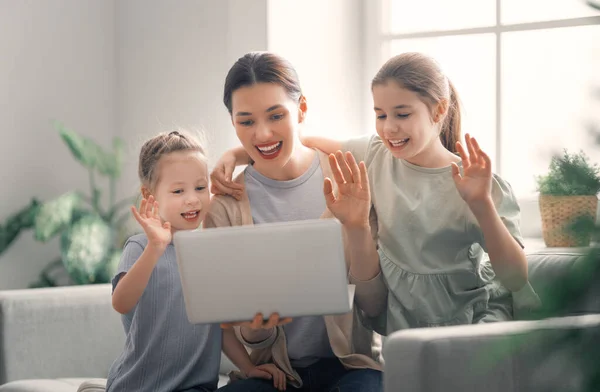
<point x="284" y="183"/>
<point x="448" y="244"/>
<point x="163" y="351"/>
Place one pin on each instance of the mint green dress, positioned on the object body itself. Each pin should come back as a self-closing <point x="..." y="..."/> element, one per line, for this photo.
<point x="431" y="248"/>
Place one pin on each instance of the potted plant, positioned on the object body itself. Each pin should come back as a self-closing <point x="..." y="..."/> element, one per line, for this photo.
<point x="568" y="196"/>
<point x="91" y="235"/>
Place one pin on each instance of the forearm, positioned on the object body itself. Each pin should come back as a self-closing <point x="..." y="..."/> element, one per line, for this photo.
<point x="328" y="146"/>
<point x="362" y="252"/>
<point x="365" y="271"/>
<point x="506" y="255"/>
<point x="132" y="285"/>
<point x="236" y="352"/>
<point x="241" y="156"/>
<point x="256" y="335"/>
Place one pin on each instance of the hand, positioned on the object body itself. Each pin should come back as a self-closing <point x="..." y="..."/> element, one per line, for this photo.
<point x="475" y="184"/>
<point x="269" y="372"/>
<point x="158" y="233"/>
<point x="353" y="204"/>
<point x="259" y="323"/>
<point x="221" y="177"/>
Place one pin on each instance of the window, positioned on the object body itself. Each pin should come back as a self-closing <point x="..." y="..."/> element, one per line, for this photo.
<point x="527" y="72"/>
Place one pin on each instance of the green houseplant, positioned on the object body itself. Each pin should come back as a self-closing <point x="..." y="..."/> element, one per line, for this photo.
<point x="568" y="195"/>
<point x="90" y="244"/>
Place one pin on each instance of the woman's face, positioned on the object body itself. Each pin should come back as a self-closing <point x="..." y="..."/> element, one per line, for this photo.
<point x="266" y="120"/>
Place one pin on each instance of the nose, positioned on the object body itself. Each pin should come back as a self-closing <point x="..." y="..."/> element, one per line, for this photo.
<point x="389" y="128"/>
<point x="192" y="199"/>
<point x="263" y="133"/>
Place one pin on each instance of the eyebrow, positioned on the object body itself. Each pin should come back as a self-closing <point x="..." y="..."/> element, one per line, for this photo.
<point x="396" y="107"/>
<point x="274" y="107"/>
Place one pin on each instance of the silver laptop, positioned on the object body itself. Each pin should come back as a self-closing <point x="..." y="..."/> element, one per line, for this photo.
<point x="292" y="268"/>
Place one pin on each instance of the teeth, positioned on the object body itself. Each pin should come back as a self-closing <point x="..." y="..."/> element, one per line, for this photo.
<point x="190" y="214"/>
<point x="398" y="142"/>
<point x="269" y="148"/>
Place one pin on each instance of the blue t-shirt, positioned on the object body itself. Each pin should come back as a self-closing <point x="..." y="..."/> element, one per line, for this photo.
<point x="163" y="351"/>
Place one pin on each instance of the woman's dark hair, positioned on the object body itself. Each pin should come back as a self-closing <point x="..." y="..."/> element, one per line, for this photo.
<point x="261" y="67"/>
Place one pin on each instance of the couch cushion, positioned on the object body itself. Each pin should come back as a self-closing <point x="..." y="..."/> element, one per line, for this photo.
<point x="58" y="385"/>
<point x="554" y="274"/>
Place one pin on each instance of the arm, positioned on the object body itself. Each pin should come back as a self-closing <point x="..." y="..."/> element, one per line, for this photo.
<point x="328" y="146"/>
<point x="221" y="176"/>
<point x="352" y="207"/>
<point x="475" y="187"/>
<point x="132" y="284"/>
<point x="506" y="255"/>
<point x="235" y="351"/>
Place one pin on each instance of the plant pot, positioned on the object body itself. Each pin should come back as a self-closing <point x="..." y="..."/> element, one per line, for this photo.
<point x="560" y="212"/>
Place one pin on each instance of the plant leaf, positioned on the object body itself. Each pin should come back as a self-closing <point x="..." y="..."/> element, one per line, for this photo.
<point x="83" y="149"/>
<point x="55" y="215"/>
<point x="23" y="219"/>
<point x="85" y="246"/>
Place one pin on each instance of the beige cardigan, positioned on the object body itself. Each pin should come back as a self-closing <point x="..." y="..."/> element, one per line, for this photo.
<point x="356" y="346"/>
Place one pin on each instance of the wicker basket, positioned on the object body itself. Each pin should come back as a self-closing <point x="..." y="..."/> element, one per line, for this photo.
<point x="558" y="212"/>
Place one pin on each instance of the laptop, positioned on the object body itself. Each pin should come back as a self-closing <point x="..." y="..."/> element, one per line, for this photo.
<point x="292" y="268"/>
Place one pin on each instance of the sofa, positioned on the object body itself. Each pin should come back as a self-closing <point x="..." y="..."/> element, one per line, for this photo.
<point x="53" y="339"/>
<point x="550" y="354"/>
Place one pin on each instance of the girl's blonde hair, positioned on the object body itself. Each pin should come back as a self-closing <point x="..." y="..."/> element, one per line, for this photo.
<point x="423" y="75"/>
<point x="162" y="144"/>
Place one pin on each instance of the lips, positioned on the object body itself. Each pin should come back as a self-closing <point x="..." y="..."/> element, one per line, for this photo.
<point x="269" y="150"/>
<point x="191" y="216"/>
<point x="398" y="142"/>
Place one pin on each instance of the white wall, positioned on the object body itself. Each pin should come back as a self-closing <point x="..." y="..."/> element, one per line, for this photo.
<point x="323" y="40"/>
<point x="105" y="68"/>
<point x="57" y="62"/>
<point x="172" y="63"/>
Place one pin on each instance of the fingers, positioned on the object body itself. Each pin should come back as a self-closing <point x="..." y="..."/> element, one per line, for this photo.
<point x="143" y="208"/>
<point x="356" y="175"/>
<point x="272" y="322"/>
<point x="285" y="321"/>
<point x="167" y="226"/>
<point x="472" y="153"/>
<point x="346" y="172"/>
<point x="456" y="172"/>
<point x="328" y="192"/>
<point x="156" y="210"/>
<point x="149" y="206"/>
<point x="484" y="159"/>
<point x="137" y="215"/>
<point x="336" y="170"/>
<point x="364" y="178"/>
<point x="463" y="155"/>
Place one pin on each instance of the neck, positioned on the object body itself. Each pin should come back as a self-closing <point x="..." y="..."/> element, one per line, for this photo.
<point x="298" y="164"/>
<point x="435" y="155"/>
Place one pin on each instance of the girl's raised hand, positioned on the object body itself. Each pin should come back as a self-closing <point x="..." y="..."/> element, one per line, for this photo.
<point x="158" y="233"/>
<point x="475" y="184"/>
<point x="353" y="202"/>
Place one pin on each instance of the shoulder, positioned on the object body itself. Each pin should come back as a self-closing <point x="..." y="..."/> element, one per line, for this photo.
<point x="222" y="211"/>
<point x="502" y="192"/>
<point x="137" y="240"/>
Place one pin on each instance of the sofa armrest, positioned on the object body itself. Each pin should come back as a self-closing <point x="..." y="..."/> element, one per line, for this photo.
<point x="58" y="332"/>
<point x="514" y="356"/>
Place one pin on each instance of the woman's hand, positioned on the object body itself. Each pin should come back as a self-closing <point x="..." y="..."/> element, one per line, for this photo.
<point x="158" y="233"/>
<point x="475" y="184"/>
<point x="259" y="322"/>
<point x="353" y="203"/>
<point x="269" y="371"/>
<point x="221" y="182"/>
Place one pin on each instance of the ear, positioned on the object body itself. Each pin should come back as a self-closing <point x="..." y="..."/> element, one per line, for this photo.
<point x="302" y="108"/>
<point x="145" y="192"/>
<point x="440" y="110"/>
